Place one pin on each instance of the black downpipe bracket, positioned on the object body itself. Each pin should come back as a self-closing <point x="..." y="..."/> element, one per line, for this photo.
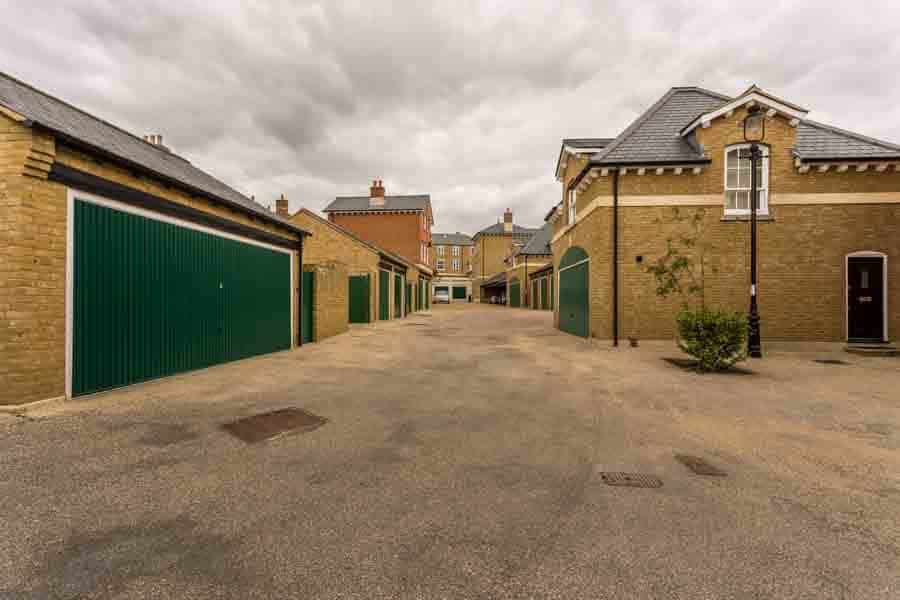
<point x="615" y="259"/>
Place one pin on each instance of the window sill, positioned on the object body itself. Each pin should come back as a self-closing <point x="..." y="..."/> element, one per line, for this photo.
<point x="746" y="218"/>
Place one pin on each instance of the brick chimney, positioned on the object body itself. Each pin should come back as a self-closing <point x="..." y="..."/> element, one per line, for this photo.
<point x="281" y="207"/>
<point x="507" y="221"/>
<point x="376" y="194"/>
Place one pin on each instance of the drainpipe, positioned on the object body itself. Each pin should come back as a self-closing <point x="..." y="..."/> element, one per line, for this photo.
<point x="525" y="283"/>
<point x="616" y="257"/>
<point x="300" y="295"/>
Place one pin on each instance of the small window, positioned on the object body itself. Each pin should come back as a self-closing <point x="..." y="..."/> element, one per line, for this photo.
<point x="456" y="264"/>
<point x="441" y="264"/>
<point x="737" y="180"/>
<point x="455" y="251"/>
<point x="440" y="250"/>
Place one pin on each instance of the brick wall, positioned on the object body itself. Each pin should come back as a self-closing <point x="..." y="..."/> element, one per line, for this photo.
<point x="818" y="218"/>
<point x="33" y="217"/>
<point x="329" y="244"/>
<point x="399" y="233"/>
<point x="331" y="308"/>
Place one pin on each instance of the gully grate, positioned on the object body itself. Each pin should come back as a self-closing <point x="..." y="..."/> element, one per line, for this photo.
<point x="830" y="361"/>
<point x="699" y="465"/>
<point x="631" y="480"/>
<point x="270" y="425"/>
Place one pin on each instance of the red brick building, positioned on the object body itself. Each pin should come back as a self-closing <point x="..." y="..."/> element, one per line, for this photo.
<point x="401" y="224"/>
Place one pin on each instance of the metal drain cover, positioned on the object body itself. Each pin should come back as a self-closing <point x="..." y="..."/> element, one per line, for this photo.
<point x="631" y="480"/>
<point x="266" y="426"/>
<point x="830" y="361"/>
<point x="699" y="465"/>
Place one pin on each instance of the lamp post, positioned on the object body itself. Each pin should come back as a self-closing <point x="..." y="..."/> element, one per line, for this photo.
<point x="754" y="132"/>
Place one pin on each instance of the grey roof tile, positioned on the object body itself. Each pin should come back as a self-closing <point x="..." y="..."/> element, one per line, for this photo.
<point x="80" y="126"/>
<point x="451" y="239"/>
<point x="819" y="141"/>
<point x="655" y="135"/>
<point x="539" y="244"/>
<point x="518" y="230"/>
<point x="357" y="203"/>
<point x="587" y="142"/>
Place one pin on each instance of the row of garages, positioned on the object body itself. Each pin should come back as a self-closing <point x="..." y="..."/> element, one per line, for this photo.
<point x="121" y="262"/>
<point x="566" y="286"/>
<point x="351" y="281"/>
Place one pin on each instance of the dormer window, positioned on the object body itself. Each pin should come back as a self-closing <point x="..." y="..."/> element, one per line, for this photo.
<point x="737" y="180"/>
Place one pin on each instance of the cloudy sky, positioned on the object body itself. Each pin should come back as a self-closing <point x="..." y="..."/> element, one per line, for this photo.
<point x="466" y="101"/>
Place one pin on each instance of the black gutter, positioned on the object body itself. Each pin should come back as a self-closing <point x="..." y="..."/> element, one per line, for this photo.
<point x="615" y="257"/>
<point x="137" y="167"/>
<point x="92" y="184"/>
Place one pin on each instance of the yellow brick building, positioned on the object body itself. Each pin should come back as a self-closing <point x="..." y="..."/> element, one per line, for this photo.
<point x="121" y="262"/>
<point x="829" y="230"/>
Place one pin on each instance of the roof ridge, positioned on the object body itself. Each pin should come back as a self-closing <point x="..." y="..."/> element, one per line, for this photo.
<point x="853" y="134"/>
<point x="92" y="116"/>
<point x="389" y="196"/>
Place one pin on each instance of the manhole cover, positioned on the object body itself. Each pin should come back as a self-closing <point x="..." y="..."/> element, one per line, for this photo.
<point x="269" y="425"/>
<point x="830" y="361"/>
<point x="699" y="465"/>
<point x="631" y="480"/>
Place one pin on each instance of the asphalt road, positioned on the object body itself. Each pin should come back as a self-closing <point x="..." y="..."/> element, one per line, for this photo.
<point x="463" y="459"/>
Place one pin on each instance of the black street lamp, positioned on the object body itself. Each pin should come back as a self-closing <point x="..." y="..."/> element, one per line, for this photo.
<point x="754" y="132"/>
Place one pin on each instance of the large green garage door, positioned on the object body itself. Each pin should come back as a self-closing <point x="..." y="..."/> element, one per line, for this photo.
<point x="359" y="299"/>
<point x="573" y="292"/>
<point x="515" y="293"/>
<point x="384" y="293"/>
<point x="398" y="296"/>
<point x="152" y="299"/>
<point x="545" y="299"/>
<point x="459" y="293"/>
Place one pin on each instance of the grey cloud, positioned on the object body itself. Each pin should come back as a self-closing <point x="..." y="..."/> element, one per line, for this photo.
<point x="465" y="100"/>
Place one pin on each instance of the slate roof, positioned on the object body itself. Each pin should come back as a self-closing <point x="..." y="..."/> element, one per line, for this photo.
<point x="655" y="136"/>
<point x="451" y="239"/>
<point x="357" y="203"/>
<point x="587" y="142"/>
<point x="818" y="141"/>
<point x="80" y="127"/>
<point x="539" y="244"/>
<point x="497" y="228"/>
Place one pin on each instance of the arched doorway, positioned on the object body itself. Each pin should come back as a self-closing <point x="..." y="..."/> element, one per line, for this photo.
<point x="573" y="292"/>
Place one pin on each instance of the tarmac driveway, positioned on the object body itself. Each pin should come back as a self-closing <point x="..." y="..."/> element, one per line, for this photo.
<point x="463" y="459"/>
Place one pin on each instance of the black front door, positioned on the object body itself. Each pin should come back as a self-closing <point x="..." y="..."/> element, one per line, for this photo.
<point x="865" y="298"/>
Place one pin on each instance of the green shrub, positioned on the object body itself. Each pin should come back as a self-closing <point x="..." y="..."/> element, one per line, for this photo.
<point x="716" y="339"/>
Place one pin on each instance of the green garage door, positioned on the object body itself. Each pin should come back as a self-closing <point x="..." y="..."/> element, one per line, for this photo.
<point x="535" y="296"/>
<point x="459" y="293"/>
<point x="152" y="299"/>
<point x="359" y="299"/>
<point x="573" y="292"/>
<point x="545" y="300"/>
<point x="515" y="294"/>
<point x="408" y="305"/>
<point x="398" y="296"/>
<point x="384" y="293"/>
<point x="308" y="293"/>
